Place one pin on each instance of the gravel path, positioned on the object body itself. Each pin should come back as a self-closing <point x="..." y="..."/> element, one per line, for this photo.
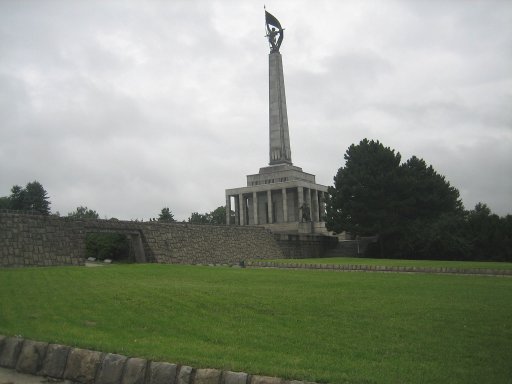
<point x="10" y="376"/>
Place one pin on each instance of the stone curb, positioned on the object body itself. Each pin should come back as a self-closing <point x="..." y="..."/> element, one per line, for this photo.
<point x="31" y="357"/>
<point x="381" y="268"/>
<point x="92" y="367"/>
<point x="11" y="349"/>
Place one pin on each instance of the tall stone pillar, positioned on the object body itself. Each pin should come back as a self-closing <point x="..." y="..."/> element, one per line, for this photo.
<point x="237" y="210"/>
<point x="315" y="208"/>
<point x="255" y="207"/>
<point x="279" y="136"/>
<point x="269" y="206"/>
<point x="308" y="202"/>
<point x="300" y="194"/>
<point x="242" y="208"/>
<point x="285" y="206"/>
<point x="228" y="210"/>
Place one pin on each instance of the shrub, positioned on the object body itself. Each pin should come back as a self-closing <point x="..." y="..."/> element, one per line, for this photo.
<point x="103" y="246"/>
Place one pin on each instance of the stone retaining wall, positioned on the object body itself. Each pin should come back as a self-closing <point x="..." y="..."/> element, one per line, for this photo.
<point x="92" y="367"/>
<point x="209" y="244"/>
<point x="27" y="240"/>
<point x="33" y="240"/>
<point x="305" y="246"/>
<point x="380" y="268"/>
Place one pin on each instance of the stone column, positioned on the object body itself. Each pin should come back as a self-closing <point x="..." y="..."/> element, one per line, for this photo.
<point x="321" y="205"/>
<point x="237" y="210"/>
<point x="269" y="206"/>
<point x="279" y="137"/>
<point x="285" y="206"/>
<point x="242" y="208"/>
<point x="315" y="209"/>
<point x="300" y="194"/>
<point x="228" y="209"/>
<point x="255" y="207"/>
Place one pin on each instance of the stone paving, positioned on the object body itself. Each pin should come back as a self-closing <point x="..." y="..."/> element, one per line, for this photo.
<point x="11" y="376"/>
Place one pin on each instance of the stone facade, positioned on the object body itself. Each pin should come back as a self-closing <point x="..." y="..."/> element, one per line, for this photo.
<point x="276" y="197"/>
<point x="32" y="240"/>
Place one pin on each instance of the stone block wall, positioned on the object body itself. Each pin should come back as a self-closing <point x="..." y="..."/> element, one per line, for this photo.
<point x="33" y="240"/>
<point x="296" y="246"/>
<point x="209" y="244"/>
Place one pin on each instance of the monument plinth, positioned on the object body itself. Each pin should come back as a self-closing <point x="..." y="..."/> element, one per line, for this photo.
<point x="281" y="196"/>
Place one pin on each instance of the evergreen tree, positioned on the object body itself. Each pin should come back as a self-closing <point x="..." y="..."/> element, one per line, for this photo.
<point x="5" y="203"/>
<point x="426" y="193"/>
<point x="365" y="195"/>
<point x="407" y="206"/>
<point x="490" y="235"/>
<point x="218" y="216"/>
<point x="166" y="215"/>
<point x="31" y="198"/>
<point x="17" y="198"/>
<point x="36" y="198"/>
<point x="199" y="218"/>
<point x="84" y="213"/>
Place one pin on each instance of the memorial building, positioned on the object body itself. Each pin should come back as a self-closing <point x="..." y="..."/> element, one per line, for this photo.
<point x="281" y="196"/>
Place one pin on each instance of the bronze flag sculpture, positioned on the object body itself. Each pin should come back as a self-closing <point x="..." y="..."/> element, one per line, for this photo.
<point x="275" y="32"/>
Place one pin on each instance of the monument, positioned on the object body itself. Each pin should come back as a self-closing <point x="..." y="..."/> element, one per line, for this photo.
<point x="280" y="196"/>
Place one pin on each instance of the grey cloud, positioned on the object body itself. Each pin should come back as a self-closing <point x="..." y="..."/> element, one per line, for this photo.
<point x="128" y="107"/>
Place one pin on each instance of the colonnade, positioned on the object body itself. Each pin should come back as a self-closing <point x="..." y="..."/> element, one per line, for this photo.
<point x="254" y="206"/>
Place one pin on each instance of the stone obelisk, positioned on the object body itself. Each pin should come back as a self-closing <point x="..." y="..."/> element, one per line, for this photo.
<point x="279" y="137"/>
<point x="281" y="197"/>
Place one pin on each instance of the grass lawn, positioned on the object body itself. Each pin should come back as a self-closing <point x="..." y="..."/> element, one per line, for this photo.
<point x="302" y="324"/>
<point x="401" y="263"/>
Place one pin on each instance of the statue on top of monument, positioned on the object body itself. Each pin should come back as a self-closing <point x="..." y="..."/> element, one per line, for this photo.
<point x="275" y="32"/>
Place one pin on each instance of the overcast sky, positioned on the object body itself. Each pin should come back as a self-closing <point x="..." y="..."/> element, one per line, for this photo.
<point x="131" y="106"/>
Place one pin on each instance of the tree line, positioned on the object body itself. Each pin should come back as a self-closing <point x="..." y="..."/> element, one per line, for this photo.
<point x="34" y="198"/>
<point x="412" y="210"/>
<point x="115" y="246"/>
<point x="217" y="216"/>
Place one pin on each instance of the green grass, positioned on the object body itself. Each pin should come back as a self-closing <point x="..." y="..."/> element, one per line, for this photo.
<point x="400" y="262"/>
<point x="301" y="324"/>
